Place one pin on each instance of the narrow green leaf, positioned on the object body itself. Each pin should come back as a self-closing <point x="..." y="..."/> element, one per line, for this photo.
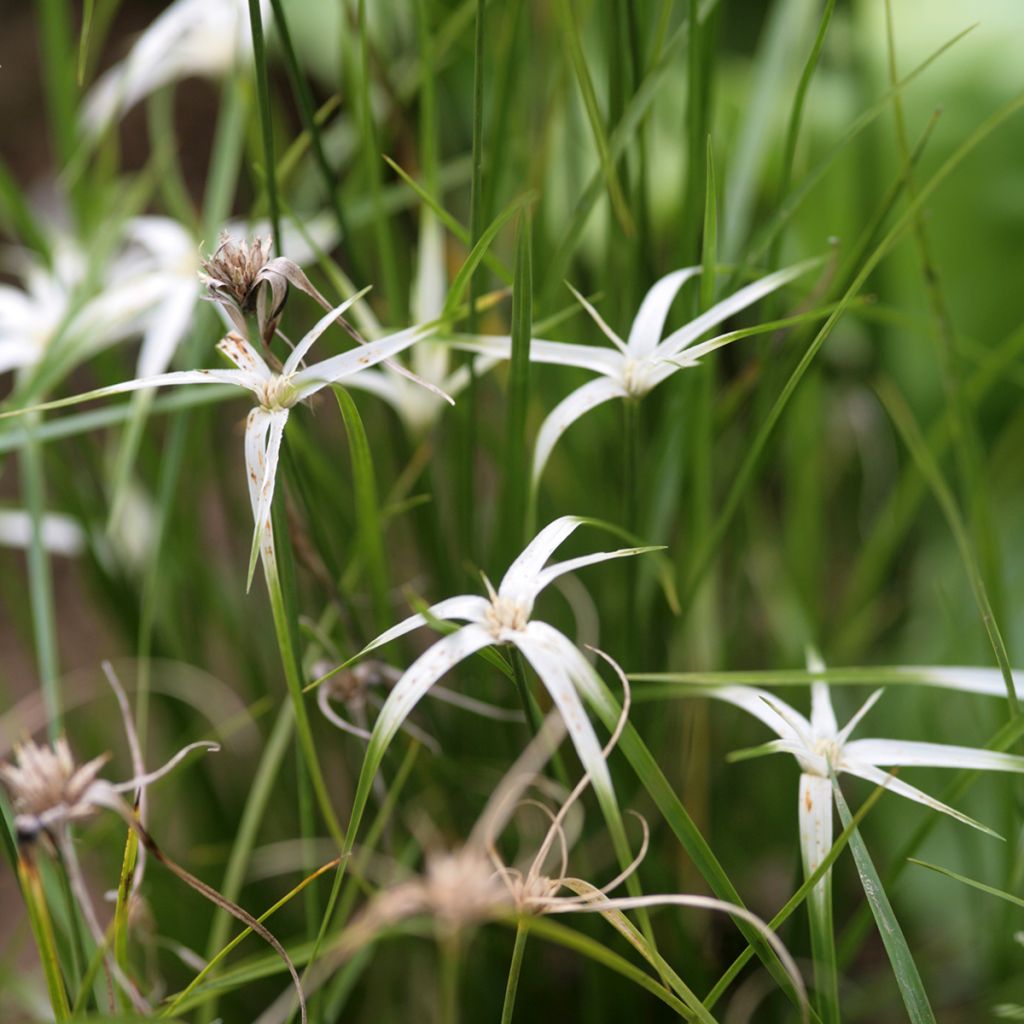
<point x="904" y="968"/>
<point x="901" y="415"/>
<point x="973" y="883"/>
<point x="570" y="28"/>
<point x="371" y="538"/>
<point x="476" y="254"/>
<point x="517" y="457"/>
<point x="259" y="53"/>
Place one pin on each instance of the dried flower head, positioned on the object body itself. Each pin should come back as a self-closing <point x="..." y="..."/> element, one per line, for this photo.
<point x="232" y="272"/>
<point x="47" y="787"/>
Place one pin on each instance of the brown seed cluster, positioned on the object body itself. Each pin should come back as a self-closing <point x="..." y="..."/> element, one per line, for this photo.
<point x="232" y="271"/>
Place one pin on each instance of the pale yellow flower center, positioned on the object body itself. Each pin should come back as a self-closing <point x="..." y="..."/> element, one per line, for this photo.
<point x="278" y="393"/>
<point x="504" y="613"/>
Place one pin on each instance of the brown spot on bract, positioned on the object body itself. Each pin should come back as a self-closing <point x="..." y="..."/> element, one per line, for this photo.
<point x="808" y="802"/>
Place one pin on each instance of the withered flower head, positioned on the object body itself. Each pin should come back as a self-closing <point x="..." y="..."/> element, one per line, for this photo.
<point x="47" y="787"/>
<point x="233" y="271"/>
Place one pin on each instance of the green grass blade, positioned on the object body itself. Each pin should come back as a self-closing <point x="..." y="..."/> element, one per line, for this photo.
<point x="972" y="882"/>
<point x="368" y="519"/>
<point x="40" y="586"/>
<point x="904" y="968"/>
<point x="744" y="476"/>
<point x="571" y="31"/>
<point x="516" y="485"/>
<point x="464" y="276"/>
<point x="902" y="417"/>
<point x="259" y="52"/>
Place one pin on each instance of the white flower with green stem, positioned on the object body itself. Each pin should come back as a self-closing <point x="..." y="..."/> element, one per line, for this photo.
<point x="472" y="884"/>
<point x="823" y="751"/>
<point x="637" y="365"/>
<point x="505" y="618"/>
<point x="275" y="393"/>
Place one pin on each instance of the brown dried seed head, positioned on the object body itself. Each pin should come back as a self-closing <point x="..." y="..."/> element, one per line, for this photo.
<point x="232" y="270"/>
<point x="44" y="778"/>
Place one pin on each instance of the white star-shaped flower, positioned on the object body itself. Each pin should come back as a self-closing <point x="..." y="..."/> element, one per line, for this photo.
<point x="638" y="365"/>
<point x="275" y="395"/>
<point x="505" y="616"/>
<point x="822" y="749"/>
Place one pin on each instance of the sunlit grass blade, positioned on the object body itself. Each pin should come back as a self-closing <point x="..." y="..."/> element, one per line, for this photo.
<point x="42" y="930"/>
<point x="904" y="968"/>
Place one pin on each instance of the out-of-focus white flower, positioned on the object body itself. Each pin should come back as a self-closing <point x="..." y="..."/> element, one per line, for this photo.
<point x="192" y="38"/>
<point x="53" y="317"/>
<point x="61" y="534"/>
<point x="637" y="366"/>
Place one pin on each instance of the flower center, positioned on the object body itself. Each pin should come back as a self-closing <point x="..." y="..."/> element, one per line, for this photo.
<point x="634" y="377"/>
<point x="506" y="614"/>
<point x="278" y="393"/>
<point x="829" y="750"/>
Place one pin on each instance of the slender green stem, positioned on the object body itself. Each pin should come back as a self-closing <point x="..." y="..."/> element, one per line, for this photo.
<point x="259" y="52"/>
<point x="253" y="814"/>
<point x="44" y="624"/>
<point x="823" y="951"/>
<point x="284" y="627"/>
<point x="451" y="969"/>
<point x="508" y="1007"/>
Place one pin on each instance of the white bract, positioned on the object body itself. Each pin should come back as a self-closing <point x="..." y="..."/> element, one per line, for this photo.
<point x="505" y="617"/>
<point x="822" y="749"/>
<point x="638" y="365"/>
<point x="204" y="38"/>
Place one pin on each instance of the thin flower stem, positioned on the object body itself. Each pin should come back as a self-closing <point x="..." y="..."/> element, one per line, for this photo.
<point x="451" y="964"/>
<point x="631" y="512"/>
<point x="259" y="53"/>
<point x="245" y="837"/>
<point x="44" y="627"/>
<point x="290" y="662"/>
<point x="512" y="985"/>
<point x="823" y="951"/>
